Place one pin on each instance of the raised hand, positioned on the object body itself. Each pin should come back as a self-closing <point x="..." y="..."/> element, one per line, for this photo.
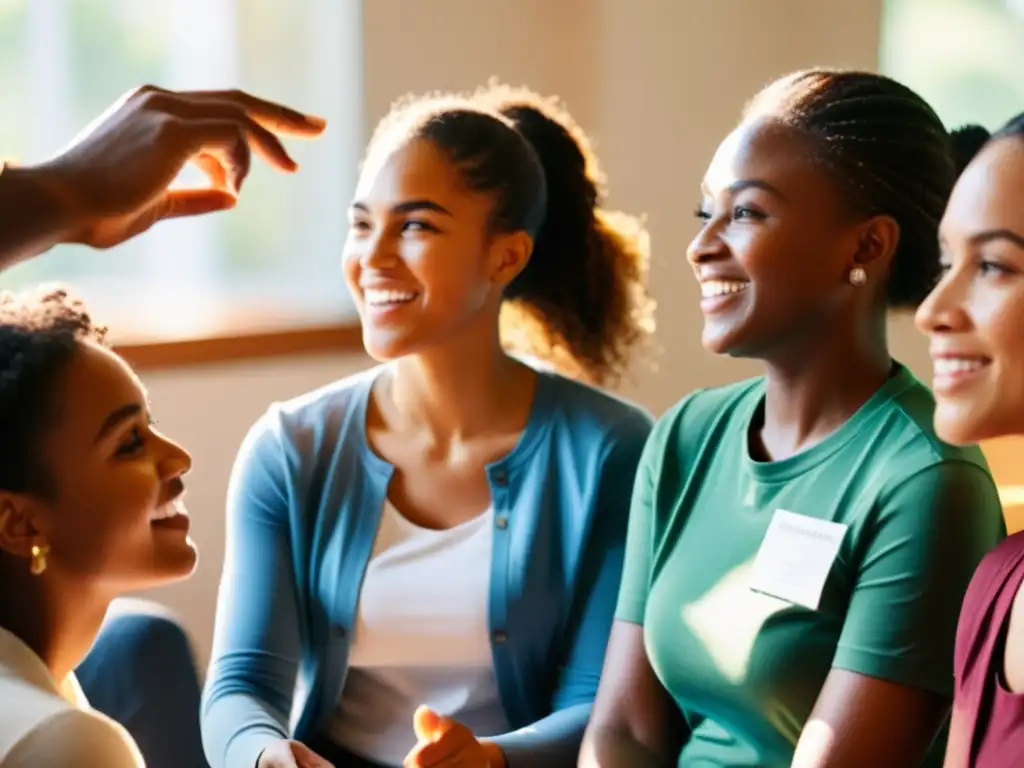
<point x="112" y="182"/>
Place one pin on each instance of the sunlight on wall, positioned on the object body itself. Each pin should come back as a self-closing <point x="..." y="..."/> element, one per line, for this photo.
<point x="1006" y="460"/>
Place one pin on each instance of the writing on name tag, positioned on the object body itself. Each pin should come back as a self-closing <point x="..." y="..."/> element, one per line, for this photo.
<point x="795" y="557"/>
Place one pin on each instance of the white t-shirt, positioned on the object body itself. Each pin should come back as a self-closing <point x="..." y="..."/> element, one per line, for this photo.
<point x="421" y="637"/>
<point x="45" y="724"/>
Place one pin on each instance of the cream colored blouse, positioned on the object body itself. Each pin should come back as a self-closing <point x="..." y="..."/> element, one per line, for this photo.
<point x="46" y="724"/>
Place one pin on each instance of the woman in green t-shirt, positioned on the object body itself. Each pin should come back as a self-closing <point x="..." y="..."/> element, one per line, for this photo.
<point x="800" y="543"/>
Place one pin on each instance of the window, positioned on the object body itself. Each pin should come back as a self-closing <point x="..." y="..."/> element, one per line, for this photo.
<point x="964" y="56"/>
<point x="272" y="262"/>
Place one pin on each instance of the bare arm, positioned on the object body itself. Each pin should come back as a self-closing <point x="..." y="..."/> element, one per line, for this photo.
<point x="31" y="218"/>
<point x="860" y="720"/>
<point x="959" y="739"/>
<point x="635" y="723"/>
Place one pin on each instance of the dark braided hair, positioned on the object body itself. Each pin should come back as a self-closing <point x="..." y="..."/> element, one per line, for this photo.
<point x="39" y="333"/>
<point x="581" y="302"/>
<point x="967" y="142"/>
<point x="1014" y="127"/>
<point x="971" y="138"/>
<point x="889" y="151"/>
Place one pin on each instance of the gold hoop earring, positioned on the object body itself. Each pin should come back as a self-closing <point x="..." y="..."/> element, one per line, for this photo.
<point x="858" y="276"/>
<point x="39" y="554"/>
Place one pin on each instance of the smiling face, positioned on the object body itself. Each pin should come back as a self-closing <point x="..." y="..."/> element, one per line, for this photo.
<point x="777" y="244"/>
<point x="113" y="516"/>
<point x="420" y="259"/>
<point x="974" y="317"/>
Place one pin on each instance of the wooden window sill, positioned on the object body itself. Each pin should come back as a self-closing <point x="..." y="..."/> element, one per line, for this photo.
<point x="235" y="347"/>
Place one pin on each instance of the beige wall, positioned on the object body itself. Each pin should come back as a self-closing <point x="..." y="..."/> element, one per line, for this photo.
<point x="657" y="83"/>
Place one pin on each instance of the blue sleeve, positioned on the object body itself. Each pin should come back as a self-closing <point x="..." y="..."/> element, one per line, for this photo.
<point x="251" y="679"/>
<point x="554" y="741"/>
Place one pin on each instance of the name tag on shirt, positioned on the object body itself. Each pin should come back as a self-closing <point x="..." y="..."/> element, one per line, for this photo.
<point x="796" y="557"/>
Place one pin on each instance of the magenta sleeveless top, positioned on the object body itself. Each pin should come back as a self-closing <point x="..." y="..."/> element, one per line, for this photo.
<point x="990" y="732"/>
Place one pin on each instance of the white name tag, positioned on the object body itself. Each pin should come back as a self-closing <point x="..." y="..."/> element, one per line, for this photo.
<point x="796" y="557"/>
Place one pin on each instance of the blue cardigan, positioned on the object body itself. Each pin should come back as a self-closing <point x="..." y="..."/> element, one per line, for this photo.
<point x="304" y="504"/>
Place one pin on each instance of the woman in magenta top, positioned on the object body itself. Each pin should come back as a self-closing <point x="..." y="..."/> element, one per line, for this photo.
<point x="974" y="319"/>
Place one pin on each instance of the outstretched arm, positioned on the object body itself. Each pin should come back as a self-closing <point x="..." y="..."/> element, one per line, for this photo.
<point x="31" y="218"/>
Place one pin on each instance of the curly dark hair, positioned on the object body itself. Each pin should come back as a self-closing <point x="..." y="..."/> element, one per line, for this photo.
<point x="581" y="302"/>
<point x="889" y="151"/>
<point x="40" y="329"/>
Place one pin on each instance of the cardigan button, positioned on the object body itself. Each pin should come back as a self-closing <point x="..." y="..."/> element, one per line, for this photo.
<point x="500" y="477"/>
<point x="499" y="636"/>
<point x="501" y="521"/>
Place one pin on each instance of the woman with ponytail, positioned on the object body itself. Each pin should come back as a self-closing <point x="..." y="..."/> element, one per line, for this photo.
<point x="973" y="320"/>
<point x="422" y="561"/>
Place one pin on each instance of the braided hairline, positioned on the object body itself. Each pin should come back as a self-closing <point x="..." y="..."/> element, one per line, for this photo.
<point x="886" y="146"/>
<point x="1013" y="127"/>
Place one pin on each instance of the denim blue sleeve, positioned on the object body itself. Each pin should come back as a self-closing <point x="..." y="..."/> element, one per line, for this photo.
<point x="251" y="679"/>
<point x="555" y="740"/>
<point x="141" y="673"/>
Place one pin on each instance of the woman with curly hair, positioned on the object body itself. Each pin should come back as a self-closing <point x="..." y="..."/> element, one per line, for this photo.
<point x="438" y="542"/>
<point x="90" y="492"/>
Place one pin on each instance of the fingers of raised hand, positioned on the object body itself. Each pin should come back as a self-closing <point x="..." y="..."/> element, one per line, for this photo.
<point x="216" y="141"/>
<point x="272" y="116"/>
<point x="214" y="166"/>
<point x="198" y="125"/>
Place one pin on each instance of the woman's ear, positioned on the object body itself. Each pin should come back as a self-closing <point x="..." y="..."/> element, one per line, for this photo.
<point x="879" y="238"/>
<point x="508" y="255"/>
<point x="18" y="530"/>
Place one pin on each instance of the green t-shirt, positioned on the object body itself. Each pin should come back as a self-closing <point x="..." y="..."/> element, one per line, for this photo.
<point x="746" y="668"/>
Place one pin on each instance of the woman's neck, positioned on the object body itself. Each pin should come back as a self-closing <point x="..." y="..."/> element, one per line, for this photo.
<point x="58" y="621"/>
<point x="459" y="389"/>
<point x="459" y="394"/>
<point x="811" y="394"/>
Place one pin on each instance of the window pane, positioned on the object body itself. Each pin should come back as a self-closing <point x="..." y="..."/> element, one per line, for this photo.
<point x="275" y="259"/>
<point x="966" y="57"/>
